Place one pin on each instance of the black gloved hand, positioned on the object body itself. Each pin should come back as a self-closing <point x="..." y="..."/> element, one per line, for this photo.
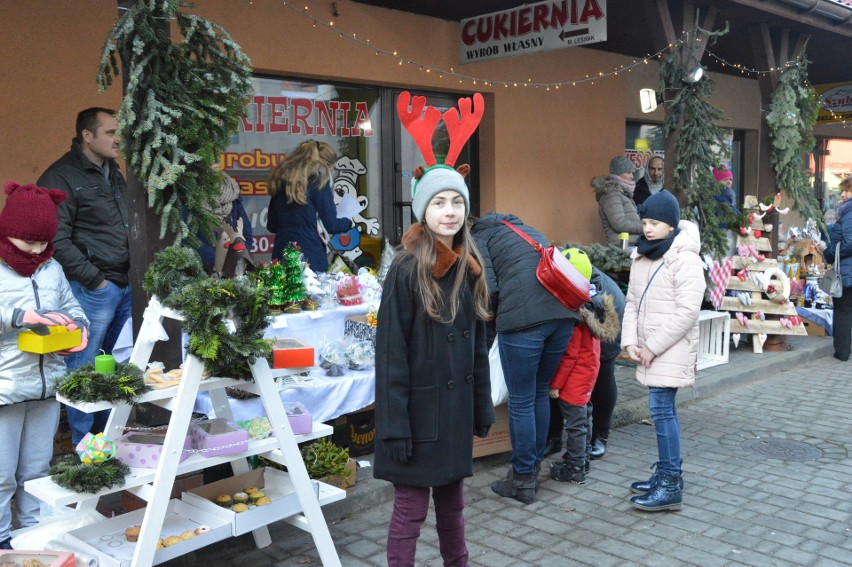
<point x="398" y="450"/>
<point x="482" y="432"/>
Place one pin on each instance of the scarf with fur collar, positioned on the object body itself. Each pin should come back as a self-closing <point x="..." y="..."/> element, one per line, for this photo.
<point x="445" y="257"/>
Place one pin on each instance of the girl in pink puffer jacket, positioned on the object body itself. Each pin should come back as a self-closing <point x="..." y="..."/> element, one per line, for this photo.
<point x="660" y="332"/>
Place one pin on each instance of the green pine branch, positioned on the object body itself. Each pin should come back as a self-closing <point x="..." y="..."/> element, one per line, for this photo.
<point x="182" y="103"/>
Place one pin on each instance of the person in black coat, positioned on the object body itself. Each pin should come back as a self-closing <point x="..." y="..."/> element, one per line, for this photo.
<point x="651" y="182"/>
<point x="301" y="192"/>
<point x="531" y="324"/>
<point x="433" y="386"/>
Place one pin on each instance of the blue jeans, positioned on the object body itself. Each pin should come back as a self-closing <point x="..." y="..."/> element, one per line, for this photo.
<point x="529" y="359"/>
<point x="664" y="414"/>
<point x="107" y="310"/>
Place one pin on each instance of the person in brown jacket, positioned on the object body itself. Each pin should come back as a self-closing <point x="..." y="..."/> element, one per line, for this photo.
<point x="660" y="332"/>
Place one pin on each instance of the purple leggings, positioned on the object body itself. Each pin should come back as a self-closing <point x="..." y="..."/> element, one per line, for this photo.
<point x="410" y="506"/>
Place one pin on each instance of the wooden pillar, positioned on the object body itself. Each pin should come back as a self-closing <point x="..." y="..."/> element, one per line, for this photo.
<point x="145" y="243"/>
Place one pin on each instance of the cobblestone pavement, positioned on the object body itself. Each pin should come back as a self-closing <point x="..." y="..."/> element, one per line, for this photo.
<point x="766" y="468"/>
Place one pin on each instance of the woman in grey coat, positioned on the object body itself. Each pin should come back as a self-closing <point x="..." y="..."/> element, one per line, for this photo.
<point x="616" y="208"/>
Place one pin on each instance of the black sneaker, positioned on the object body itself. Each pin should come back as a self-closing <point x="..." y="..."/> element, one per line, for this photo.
<point x="565" y="472"/>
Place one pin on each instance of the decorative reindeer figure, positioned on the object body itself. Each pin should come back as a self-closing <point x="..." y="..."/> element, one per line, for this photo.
<point x="461" y="124"/>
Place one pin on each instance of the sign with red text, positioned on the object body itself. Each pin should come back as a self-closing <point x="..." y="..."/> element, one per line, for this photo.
<point x="543" y="26"/>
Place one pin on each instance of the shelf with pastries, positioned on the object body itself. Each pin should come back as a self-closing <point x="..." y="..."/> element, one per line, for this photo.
<point x="51" y="493"/>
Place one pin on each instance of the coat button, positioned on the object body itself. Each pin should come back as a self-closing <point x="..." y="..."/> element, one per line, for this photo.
<point x="451" y="337"/>
<point x="469" y="379"/>
<point x="450" y="385"/>
<point x="467" y="334"/>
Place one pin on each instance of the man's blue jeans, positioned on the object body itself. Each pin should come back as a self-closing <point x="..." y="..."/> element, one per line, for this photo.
<point x="529" y="358"/>
<point x="664" y="414"/>
<point x="107" y="310"/>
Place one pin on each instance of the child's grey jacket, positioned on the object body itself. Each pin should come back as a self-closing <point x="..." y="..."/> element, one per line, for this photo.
<point x="25" y="376"/>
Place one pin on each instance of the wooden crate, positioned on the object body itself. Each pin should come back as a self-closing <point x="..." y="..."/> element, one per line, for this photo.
<point x="714" y="331"/>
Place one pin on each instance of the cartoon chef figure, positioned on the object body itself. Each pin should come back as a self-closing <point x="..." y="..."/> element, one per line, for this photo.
<point x="350" y="205"/>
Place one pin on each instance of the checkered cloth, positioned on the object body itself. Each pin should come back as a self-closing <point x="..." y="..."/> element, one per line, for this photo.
<point x="719" y="274"/>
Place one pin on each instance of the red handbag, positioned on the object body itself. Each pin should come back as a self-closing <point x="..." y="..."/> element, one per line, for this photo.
<point x="557" y="274"/>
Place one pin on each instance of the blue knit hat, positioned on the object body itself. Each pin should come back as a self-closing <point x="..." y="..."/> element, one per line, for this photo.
<point x="661" y="206"/>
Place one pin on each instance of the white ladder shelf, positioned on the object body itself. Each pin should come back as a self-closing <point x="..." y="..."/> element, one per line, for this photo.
<point x="155" y="486"/>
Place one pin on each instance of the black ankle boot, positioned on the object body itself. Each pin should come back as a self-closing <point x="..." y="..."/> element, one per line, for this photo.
<point x="598" y="447"/>
<point x="643" y="486"/>
<point x="554" y="445"/>
<point x="666" y="495"/>
<point x="521" y="487"/>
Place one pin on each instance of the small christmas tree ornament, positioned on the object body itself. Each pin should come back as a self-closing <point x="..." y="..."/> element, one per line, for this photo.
<point x="292" y="283"/>
<point x="95" y="449"/>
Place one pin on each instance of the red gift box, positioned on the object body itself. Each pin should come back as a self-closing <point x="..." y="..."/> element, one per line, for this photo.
<point x="292" y="353"/>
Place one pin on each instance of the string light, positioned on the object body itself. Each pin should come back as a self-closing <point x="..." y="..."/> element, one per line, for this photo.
<point x="743" y="69"/>
<point x="839" y="118"/>
<point x="315" y="21"/>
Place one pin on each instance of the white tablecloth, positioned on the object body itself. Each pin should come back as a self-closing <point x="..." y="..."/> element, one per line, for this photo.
<point x="324" y="397"/>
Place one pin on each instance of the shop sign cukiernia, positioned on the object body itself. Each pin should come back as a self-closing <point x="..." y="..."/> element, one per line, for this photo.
<point x="543" y="26"/>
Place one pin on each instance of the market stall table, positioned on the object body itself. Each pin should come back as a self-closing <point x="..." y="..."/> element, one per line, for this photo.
<point x="822" y="317"/>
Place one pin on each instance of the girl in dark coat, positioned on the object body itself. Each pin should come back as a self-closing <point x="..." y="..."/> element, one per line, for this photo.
<point x="433" y="388"/>
<point x="301" y="191"/>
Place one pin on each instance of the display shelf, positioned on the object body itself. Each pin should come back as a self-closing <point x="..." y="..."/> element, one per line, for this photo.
<point x="51" y="493"/>
<point x="155" y="485"/>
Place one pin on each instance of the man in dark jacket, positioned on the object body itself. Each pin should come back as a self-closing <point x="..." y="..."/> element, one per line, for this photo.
<point x="651" y="182"/>
<point x="92" y="242"/>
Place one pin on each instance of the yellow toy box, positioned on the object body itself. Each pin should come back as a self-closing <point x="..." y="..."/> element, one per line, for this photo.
<point x="59" y="338"/>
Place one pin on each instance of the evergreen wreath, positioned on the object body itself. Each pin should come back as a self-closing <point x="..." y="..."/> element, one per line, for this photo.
<point x="791" y="119"/>
<point x="84" y="384"/>
<point x="206" y="304"/>
<point x="183" y="101"/>
<point x="701" y="147"/>
<point x="68" y="472"/>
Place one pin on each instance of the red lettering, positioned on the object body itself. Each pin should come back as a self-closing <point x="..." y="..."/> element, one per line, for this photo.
<point x="591" y="10"/>
<point x="362" y="120"/>
<point x="343" y="107"/>
<point x="540" y="17"/>
<point x="276" y="102"/>
<point x="468" y="37"/>
<point x="302" y="109"/>
<point x="500" y="29"/>
<point x="323" y="115"/>
<point x="524" y="24"/>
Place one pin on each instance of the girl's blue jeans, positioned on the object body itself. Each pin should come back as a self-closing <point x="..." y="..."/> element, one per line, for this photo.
<point x="664" y="414"/>
<point x="529" y="358"/>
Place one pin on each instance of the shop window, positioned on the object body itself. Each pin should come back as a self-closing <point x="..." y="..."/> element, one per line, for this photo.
<point x="284" y="113"/>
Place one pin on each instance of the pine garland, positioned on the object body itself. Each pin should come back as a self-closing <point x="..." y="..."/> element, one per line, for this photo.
<point x="206" y="303"/>
<point x="84" y="384"/>
<point x="68" y="472"/>
<point x="701" y="147"/>
<point x="791" y="118"/>
<point x="609" y="259"/>
<point x="183" y="102"/>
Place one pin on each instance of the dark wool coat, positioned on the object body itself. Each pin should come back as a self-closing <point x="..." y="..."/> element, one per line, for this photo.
<point x="432" y="379"/>
<point x="517" y="298"/>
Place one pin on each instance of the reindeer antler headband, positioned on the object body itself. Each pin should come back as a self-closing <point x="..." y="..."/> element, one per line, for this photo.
<point x="461" y="123"/>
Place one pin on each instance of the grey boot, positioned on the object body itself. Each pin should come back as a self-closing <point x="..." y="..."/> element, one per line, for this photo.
<point x="518" y="486"/>
<point x="666" y="495"/>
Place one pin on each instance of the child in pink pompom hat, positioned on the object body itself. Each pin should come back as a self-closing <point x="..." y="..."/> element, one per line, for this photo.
<point x="727" y="195"/>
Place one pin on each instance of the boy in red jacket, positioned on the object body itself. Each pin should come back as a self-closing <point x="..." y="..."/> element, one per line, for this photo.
<point x="575" y="378"/>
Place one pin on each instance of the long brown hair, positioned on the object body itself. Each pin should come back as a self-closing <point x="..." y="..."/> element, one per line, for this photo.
<point x="311" y="159"/>
<point x="425" y="254"/>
